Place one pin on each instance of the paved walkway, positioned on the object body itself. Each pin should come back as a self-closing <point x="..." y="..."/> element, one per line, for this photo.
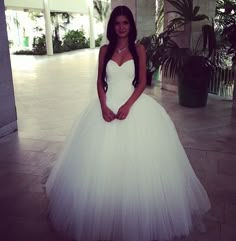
<point x="50" y="92"/>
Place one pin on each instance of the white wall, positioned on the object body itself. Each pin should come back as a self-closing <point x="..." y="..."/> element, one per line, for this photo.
<point x="78" y="6"/>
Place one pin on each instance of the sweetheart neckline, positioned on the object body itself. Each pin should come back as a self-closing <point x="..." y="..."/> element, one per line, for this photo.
<point x="122" y="63"/>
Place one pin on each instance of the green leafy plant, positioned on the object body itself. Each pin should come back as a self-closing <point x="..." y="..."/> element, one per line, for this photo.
<point x="175" y="58"/>
<point x="98" y="40"/>
<point x="39" y="45"/>
<point x="75" y="39"/>
<point x="224" y="24"/>
<point x="57" y="46"/>
<point x="24" y="52"/>
<point x="229" y="35"/>
<point x="225" y="13"/>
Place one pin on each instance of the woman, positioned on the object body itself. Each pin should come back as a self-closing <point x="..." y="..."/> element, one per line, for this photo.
<point x="123" y="174"/>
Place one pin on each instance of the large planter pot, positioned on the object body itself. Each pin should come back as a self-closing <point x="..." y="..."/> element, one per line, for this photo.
<point x="191" y="97"/>
<point x="193" y="82"/>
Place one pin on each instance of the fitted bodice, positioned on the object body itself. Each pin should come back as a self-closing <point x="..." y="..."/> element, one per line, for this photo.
<point x="124" y="72"/>
<point x="119" y="79"/>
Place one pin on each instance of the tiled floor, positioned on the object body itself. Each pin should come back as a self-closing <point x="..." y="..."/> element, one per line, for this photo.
<point x="50" y="92"/>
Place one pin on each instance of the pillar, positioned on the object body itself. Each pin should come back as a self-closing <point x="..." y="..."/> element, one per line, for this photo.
<point x="145" y="17"/>
<point x="48" y="28"/>
<point x="91" y="24"/>
<point x="8" y="118"/>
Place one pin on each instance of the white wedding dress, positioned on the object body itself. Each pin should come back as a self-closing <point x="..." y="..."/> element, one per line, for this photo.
<point x="127" y="180"/>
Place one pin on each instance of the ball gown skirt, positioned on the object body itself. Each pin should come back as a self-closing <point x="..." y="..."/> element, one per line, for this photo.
<point x="127" y="180"/>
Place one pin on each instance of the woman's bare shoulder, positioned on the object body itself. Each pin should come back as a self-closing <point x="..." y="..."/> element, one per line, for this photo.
<point x="140" y="49"/>
<point x="103" y="48"/>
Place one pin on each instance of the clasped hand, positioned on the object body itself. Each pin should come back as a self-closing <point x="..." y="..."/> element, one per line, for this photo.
<point x="109" y="115"/>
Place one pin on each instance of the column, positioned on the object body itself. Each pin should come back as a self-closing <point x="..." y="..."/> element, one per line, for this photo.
<point x="8" y="118"/>
<point x="48" y="28"/>
<point x="145" y="17"/>
<point x="91" y="24"/>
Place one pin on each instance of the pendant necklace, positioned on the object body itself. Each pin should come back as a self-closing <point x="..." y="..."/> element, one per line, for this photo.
<point x="121" y="50"/>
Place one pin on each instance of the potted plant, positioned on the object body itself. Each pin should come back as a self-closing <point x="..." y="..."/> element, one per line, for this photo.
<point x="192" y="66"/>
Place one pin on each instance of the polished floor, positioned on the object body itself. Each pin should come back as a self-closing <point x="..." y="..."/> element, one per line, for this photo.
<point x="50" y="92"/>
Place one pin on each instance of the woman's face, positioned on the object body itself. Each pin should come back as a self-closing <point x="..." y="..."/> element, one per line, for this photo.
<point x="122" y="26"/>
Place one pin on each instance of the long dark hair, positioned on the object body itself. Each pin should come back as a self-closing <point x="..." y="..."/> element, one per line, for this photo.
<point x="112" y="37"/>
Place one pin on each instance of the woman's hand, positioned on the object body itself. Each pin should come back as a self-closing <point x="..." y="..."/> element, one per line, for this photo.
<point x="107" y="114"/>
<point x="123" y="112"/>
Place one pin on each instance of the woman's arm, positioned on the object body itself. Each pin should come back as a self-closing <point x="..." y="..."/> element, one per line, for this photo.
<point x="100" y="89"/>
<point x="107" y="114"/>
<point x="142" y="76"/>
<point x="124" y="109"/>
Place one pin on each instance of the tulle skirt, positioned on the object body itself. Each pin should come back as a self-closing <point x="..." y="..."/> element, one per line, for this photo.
<point x="125" y="180"/>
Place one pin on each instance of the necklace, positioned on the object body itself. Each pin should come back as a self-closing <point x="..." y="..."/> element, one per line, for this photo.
<point x="121" y="50"/>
